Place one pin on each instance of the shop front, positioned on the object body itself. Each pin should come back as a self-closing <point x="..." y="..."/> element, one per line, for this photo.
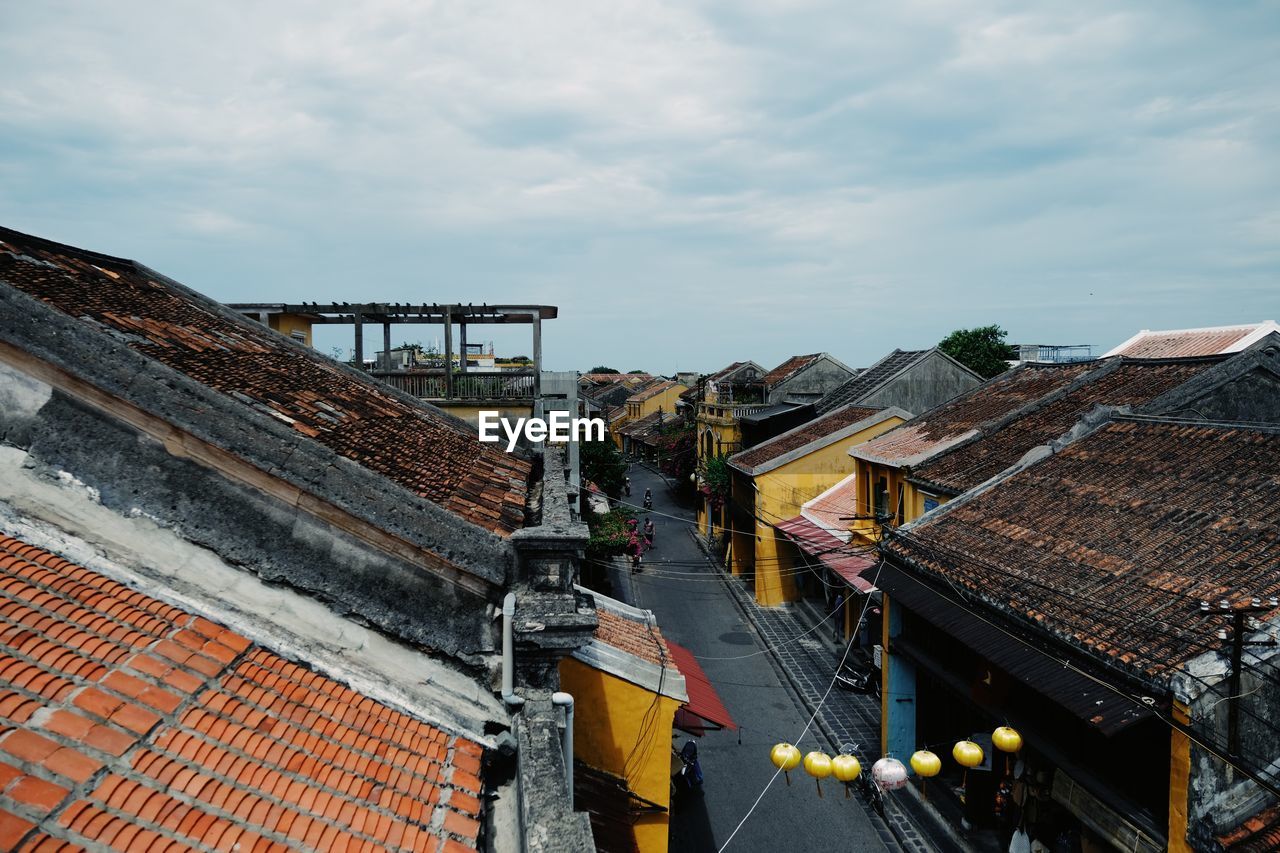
<point x="1092" y="767"/>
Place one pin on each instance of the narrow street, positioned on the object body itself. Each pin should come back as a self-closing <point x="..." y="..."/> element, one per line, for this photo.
<point x="695" y="610"/>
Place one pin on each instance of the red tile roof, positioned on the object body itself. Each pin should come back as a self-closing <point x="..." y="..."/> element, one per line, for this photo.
<point x="833" y="509"/>
<point x="1111" y="543"/>
<point x="1131" y="383"/>
<point x="923" y="436"/>
<point x="637" y="638"/>
<point x="1177" y="343"/>
<point x="135" y="725"/>
<point x="414" y="445"/>
<point x="788" y="368"/>
<point x="1258" y="834"/>
<point x="815" y="430"/>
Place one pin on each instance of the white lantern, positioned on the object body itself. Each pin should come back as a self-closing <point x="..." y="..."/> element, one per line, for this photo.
<point x="890" y="773"/>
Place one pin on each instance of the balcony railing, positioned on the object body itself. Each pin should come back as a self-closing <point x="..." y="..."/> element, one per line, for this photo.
<point x="729" y="411"/>
<point x="472" y="385"/>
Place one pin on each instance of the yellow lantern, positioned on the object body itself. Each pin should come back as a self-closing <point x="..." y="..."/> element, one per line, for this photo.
<point x="967" y="753"/>
<point x="846" y="768"/>
<point x="927" y="765"/>
<point x="785" y="757"/>
<point x="818" y="765"/>
<point x="1006" y="739"/>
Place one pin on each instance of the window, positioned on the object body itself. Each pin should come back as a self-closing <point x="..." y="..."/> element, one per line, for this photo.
<point x="881" y="498"/>
<point x="299" y="336"/>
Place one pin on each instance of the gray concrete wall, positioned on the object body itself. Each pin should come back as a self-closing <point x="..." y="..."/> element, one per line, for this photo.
<point x="136" y="475"/>
<point x="930" y="382"/>
<point x="822" y="377"/>
<point x="1220" y="797"/>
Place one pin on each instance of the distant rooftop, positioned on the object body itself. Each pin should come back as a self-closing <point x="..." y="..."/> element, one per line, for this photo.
<point x="1210" y="340"/>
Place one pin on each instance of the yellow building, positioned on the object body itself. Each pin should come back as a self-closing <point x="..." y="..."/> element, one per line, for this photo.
<point x="660" y="396"/>
<point x="627" y="689"/>
<point x="726" y="395"/>
<point x="773" y="480"/>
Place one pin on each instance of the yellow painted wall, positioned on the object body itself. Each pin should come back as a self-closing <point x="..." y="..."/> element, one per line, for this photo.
<point x="666" y="400"/>
<point x="782" y="492"/>
<point x="1179" y="781"/>
<point x="609" y="715"/>
<point x="470" y="412"/>
<point x="287" y="324"/>
<point x="916" y="499"/>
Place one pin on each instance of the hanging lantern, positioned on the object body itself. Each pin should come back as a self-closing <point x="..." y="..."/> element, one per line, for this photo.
<point x="967" y="754"/>
<point x="785" y="757"/>
<point x="1006" y="739"/>
<point x="927" y="765"/>
<point x="846" y="768"/>
<point x="818" y="765"/>
<point x="890" y="773"/>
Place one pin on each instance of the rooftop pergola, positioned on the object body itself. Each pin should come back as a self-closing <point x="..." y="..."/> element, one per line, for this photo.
<point x="388" y="314"/>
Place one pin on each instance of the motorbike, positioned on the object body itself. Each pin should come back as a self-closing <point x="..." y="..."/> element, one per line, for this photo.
<point x="648" y="501"/>
<point x="858" y="679"/>
<point x="870" y="792"/>
<point x="689" y="777"/>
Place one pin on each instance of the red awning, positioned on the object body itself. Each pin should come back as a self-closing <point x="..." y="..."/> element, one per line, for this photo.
<point x="839" y="556"/>
<point x="704" y="703"/>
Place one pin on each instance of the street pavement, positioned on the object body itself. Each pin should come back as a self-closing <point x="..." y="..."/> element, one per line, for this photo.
<point x="695" y="608"/>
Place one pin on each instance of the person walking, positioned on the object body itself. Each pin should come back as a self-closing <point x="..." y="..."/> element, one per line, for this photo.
<point x="649" y="529"/>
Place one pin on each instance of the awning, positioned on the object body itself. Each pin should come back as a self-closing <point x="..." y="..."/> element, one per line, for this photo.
<point x="704" y="709"/>
<point x="1102" y="708"/>
<point x="834" y="553"/>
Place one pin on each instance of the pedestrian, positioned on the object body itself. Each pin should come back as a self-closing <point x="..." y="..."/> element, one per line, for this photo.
<point x="649" y="529"/>
<point x="635" y="547"/>
<point x="626" y="486"/>
<point x="838" y="622"/>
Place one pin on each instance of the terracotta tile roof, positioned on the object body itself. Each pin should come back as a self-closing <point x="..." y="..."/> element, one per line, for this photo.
<point x="1131" y="383"/>
<point x="1258" y="834"/>
<point x="815" y="430"/>
<point x="135" y="725"/>
<point x="647" y="426"/>
<point x="1177" y="343"/>
<point x="866" y="381"/>
<point x="924" y="435"/>
<point x="725" y="371"/>
<point x="652" y="391"/>
<point x="1111" y="543"/>
<point x="645" y="641"/>
<point x="832" y="510"/>
<point x="789" y="368"/>
<point x="413" y="445"/>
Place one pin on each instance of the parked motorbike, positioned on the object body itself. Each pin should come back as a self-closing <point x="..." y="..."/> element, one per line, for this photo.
<point x="858" y="679"/>
<point x="689" y="777"/>
<point x="870" y="792"/>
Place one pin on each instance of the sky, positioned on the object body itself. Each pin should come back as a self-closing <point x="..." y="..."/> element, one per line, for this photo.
<point x="692" y="183"/>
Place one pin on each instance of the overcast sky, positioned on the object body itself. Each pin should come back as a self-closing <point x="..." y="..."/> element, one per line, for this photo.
<point x="692" y="183"/>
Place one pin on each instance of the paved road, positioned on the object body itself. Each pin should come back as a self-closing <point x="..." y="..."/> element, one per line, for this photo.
<point x="697" y="612"/>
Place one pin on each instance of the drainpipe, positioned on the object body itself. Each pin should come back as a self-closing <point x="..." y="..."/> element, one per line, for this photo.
<point x="508" y="652"/>
<point x="565" y="700"/>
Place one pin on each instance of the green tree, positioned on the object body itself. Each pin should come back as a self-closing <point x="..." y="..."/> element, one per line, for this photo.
<point x="983" y="350"/>
<point x="629" y="372"/>
<point x="599" y="368"/>
<point x="603" y="465"/>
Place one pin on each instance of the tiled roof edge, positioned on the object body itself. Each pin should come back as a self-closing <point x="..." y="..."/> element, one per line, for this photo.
<point x="817" y="443"/>
<point x="112" y="368"/>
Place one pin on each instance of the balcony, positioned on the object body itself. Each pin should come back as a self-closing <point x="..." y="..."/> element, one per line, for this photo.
<point x="727" y="413"/>
<point x="514" y="386"/>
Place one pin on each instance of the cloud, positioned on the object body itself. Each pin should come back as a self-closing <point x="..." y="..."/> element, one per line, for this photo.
<point x="728" y="180"/>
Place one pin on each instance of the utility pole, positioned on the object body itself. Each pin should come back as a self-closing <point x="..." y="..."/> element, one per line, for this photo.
<point x="1239" y="622"/>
